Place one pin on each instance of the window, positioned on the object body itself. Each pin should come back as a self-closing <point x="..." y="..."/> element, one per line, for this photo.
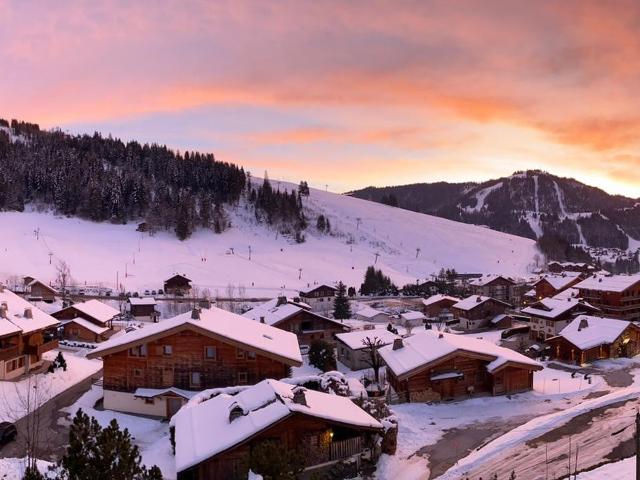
<point x="195" y="379"/>
<point x="243" y="378"/>
<point x="167" y="350"/>
<point x="139" y="351"/>
<point x="149" y="401"/>
<point x="251" y="355"/>
<point x="210" y="352"/>
<point x="240" y="353"/>
<point x="137" y="372"/>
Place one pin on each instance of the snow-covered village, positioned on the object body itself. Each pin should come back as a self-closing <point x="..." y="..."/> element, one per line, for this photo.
<point x="319" y="240"/>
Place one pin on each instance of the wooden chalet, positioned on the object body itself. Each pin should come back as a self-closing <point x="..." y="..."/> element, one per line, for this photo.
<point x="214" y="438"/>
<point x="368" y="314"/>
<point x="589" y="338"/>
<point x="477" y="311"/>
<point x="26" y="332"/>
<point x="352" y="346"/>
<point x="494" y="286"/>
<point x="319" y="297"/>
<point x="177" y="285"/>
<point x="553" y="284"/>
<point x="618" y="296"/>
<point x="297" y="317"/>
<point x="148" y="370"/>
<point x="561" y="267"/>
<point x="436" y="305"/>
<point x="90" y="321"/>
<point x="433" y="366"/>
<point x="550" y="315"/>
<point x="144" y="308"/>
<point x="38" y="290"/>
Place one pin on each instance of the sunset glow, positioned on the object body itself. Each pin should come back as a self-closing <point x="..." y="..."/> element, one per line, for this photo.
<point x="344" y="94"/>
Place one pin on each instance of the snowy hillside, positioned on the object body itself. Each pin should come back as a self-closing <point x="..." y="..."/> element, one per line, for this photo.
<point x="101" y="252"/>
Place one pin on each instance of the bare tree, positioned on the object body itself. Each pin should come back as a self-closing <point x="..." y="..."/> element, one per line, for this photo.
<point x="373" y="358"/>
<point x="63" y="277"/>
<point x="231" y="289"/>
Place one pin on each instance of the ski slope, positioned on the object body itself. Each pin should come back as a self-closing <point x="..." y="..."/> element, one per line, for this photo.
<point x="101" y="253"/>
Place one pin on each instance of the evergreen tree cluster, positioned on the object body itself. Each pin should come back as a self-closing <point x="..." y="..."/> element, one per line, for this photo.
<point x="377" y="283"/>
<point x="278" y="207"/>
<point x="105" y="179"/>
<point x="341" y="306"/>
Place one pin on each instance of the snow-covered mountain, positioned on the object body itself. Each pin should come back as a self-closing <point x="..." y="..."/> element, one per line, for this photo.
<point x="528" y="204"/>
<point x="98" y="253"/>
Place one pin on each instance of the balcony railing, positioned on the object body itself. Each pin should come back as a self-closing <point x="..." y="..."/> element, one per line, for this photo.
<point x="346" y="448"/>
<point x="9" y="352"/>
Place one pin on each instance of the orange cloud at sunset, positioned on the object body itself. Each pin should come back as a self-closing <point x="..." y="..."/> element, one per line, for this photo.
<point x="380" y="92"/>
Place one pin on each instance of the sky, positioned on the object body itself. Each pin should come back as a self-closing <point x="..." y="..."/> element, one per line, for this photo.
<point x="342" y="94"/>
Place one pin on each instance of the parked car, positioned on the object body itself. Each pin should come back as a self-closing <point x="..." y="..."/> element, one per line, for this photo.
<point x="510" y="332"/>
<point x="153" y="292"/>
<point x="8" y="432"/>
<point x="146" y="292"/>
<point x="160" y="292"/>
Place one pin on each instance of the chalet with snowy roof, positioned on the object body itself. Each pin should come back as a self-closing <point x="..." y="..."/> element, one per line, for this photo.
<point x="90" y="321"/>
<point x="435" y="366"/>
<point x="200" y="349"/>
<point x="368" y="314"/>
<point x="552" y="284"/>
<point x="177" y="285"/>
<point x="38" y="290"/>
<point x="550" y="315"/>
<point x="143" y="308"/>
<point x="589" y="338"/>
<point x="617" y="296"/>
<point x="214" y="438"/>
<point x="319" y="297"/>
<point x="561" y="267"/>
<point x="353" y="349"/>
<point x="477" y="311"/>
<point x="439" y="304"/>
<point x="297" y="317"/>
<point x="26" y="332"/>
<point x="494" y="286"/>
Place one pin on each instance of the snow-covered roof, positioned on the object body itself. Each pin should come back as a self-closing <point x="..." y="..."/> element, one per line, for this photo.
<point x="561" y="280"/>
<point x="437" y="298"/>
<point x="612" y="283"/>
<point x="142" y="301"/>
<point x="35" y="281"/>
<point x="473" y="301"/>
<point x="316" y="287"/>
<point x="92" y="327"/>
<point x="586" y="331"/>
<point x="96" y="309"/>
<point x="412" y="315"/>
<point x="215" y="321"/>
<point x="274" y="313"/>
<point x="429" y="346"/>
<point x="156" y="392"/>
<point x="260" y="407"/>
<point x="354" y="340"/>
<point x="16" y="320"/>
<point x="368" y="312"/>
<point x="555" y="307"/>
<point x="571" y="292"/>
<point x="499" y="318"/>
<point x="486" y="279"/>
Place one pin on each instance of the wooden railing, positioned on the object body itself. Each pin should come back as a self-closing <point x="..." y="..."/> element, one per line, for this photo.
<point x="346" y="448"/>
<point x="8" y="353"/>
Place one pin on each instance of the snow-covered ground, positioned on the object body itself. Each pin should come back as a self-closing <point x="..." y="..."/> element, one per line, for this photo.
<point x="622" y="470"/>
<point x="13" y="395"/>
<point x="100" y="253"/>
<point x="13" y="468"/>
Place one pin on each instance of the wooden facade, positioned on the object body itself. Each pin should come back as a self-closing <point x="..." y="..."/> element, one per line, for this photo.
<point x="319" y="440"/>
<point x="21" y="352"/>
<point x="480" y="315"/>
<point x="189" y="360"/>
<point x="624" y="305"/>
<point x="460" y="375"/>
<point x="309" y="326"/>
<point x="626" y="345"/>
<point x="435" y="309"/>
<point x="319" y="298"/>
<point x="78" y="332"/>
<point x="177" y="285"/>
<point x="499" y="288"/>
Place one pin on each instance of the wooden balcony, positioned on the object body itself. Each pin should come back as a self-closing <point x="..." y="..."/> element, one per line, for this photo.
<point x="9" y="352"/>
<point x="38" y="350"/>
<point x="346" y="448"/>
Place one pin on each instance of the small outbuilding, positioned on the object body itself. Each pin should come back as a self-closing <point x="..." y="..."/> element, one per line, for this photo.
<point x="177" y="285"/>
<point x="353" y="349"/>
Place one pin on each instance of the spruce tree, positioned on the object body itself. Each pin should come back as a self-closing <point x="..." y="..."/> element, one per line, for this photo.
<point x="341" y="307"/>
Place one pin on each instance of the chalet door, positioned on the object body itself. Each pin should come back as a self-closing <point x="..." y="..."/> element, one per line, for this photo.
<point x="498" y="385"/>
<point x="173" y="405"/>
<point x="447" y="389"/>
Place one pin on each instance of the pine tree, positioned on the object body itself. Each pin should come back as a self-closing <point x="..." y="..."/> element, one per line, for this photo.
<point x="341" y="307"/>
<point x="274" y="461"/>
<point x="321" y="355"/>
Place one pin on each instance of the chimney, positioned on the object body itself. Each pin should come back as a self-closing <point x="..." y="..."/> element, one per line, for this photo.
<point x="28" y="313"/>
<point x="195" y="313"/>
<point x="478" y="299"/>
<point x="440" y="335"/>
<point x="262" y="319"/>
<point x="1" y="288"/>
<point x="397" y="344"/>
<point x="584" y="323"/>
<point x="235" y="411"/>
<point x="282" y="300"/>
<point x="299" y="396"/>
<point x="3" y="310"/>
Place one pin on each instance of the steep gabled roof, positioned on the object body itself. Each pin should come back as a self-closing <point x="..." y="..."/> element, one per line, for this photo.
<point x="258" y="408"/>
<point x="487" y="279"/>
<point x="273" y="313"/>
<point x="439" y="298"/>
<point x="317" y="287"/>
<point x="369" y="312"/>
<point x="354" y="340"/>
<point x="94" y="309"/>
<point x="553" y="307"/>
<point x="474" y="301"/>
<point x="429" y="347"/>
<point x="561" y="280"/>
<point x="16" y="320"/>
<point x="218" y="323"/>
